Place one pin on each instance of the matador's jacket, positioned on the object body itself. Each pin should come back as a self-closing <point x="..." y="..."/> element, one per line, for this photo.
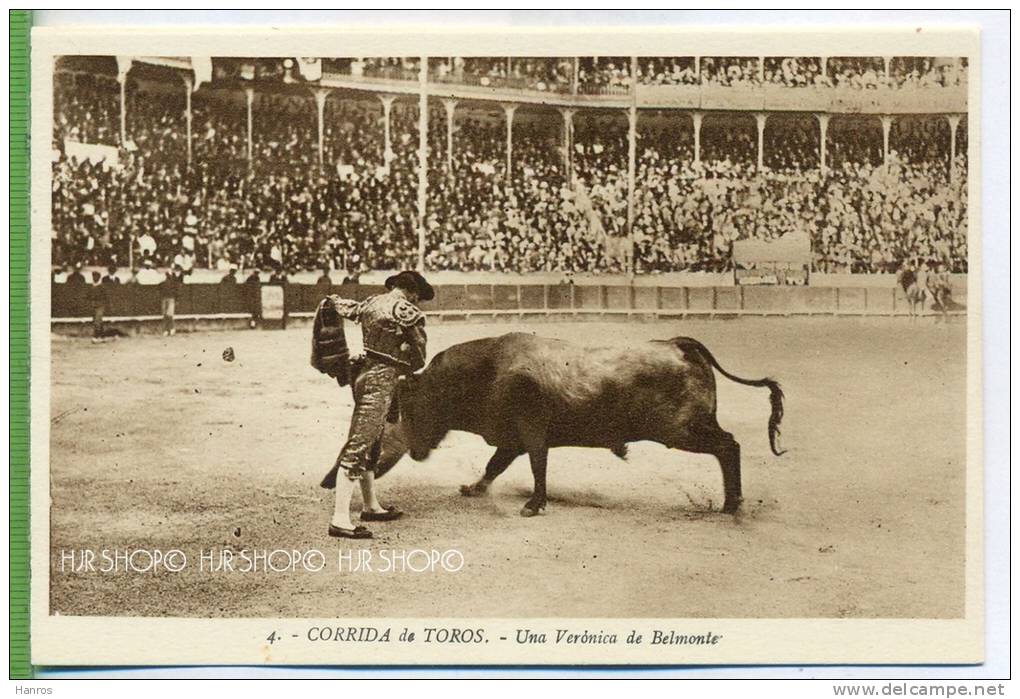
<point x="393" y="331"/>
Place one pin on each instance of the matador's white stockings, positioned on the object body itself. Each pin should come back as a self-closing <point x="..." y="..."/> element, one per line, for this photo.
<point x="344" y="491"/>
<point x="342" y="509"/>
<point x="369" y="501"/>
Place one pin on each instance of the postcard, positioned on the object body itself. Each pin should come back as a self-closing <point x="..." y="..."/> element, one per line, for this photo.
<point x="463" y="347"/>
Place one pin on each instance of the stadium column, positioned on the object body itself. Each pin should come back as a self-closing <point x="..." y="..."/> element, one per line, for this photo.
<point x="387" y="107"/>
<point x="631" y="163"/>
<point x="451" y="110"/>
<point x="423" y="149"/>
<point x="823" y="137"/>
<point x="954" y="125"/>
<point x="509" y="109"/>
<point x="189" y="87"/>
<point x="568" y="142"/>
<point x="886" y="129"/>
<point x="697" y="117"/>
<point x="320" y="113"/>
<point x="573" y="78"/>
<point x="249" y="98"/>
<point x="761" y="118"/>
<point x="122" y="79"/>
<point x="124" y="64"/>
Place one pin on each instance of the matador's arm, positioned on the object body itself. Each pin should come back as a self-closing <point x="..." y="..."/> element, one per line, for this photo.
<point x="348" y="309"/>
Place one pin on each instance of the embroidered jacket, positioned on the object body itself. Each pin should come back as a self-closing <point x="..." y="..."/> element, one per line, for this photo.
<point x="393" y="328"/>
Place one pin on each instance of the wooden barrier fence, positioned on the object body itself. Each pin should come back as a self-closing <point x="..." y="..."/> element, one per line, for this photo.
<point x="72" y="305"/>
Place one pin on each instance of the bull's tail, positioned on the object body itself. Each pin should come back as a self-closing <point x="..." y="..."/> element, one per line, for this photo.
<point x="775" y="392"/>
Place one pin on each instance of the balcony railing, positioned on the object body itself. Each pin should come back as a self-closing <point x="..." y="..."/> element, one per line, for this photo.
<point x="776" y="98"/>
<point x="497" y="81"/>
<point x="603" y="89"/>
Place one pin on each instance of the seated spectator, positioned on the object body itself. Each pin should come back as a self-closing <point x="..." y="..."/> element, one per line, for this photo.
<point x="75" y="276"/>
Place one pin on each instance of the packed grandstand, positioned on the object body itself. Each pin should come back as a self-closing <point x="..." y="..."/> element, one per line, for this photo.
<point x="254" y="169"/>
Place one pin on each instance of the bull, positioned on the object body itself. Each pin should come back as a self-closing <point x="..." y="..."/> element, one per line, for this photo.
<point x="525" y="394"/>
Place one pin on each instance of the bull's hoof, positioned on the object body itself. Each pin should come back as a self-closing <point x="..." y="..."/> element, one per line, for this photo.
<point x="472" y="491"/>
<point x="532" y="511"/>
<point x="731" y="507"/>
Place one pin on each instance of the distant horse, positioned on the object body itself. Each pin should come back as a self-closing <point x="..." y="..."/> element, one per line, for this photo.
<point x="940" y="289"/>
<point x="914" y="288"/>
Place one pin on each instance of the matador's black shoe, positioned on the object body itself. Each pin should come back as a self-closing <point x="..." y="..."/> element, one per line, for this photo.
<point x="391" y="513"/>
<point x="358" y="532"/>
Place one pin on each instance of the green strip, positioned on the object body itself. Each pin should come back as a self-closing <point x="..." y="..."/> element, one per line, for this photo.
<point x="20" y="659"/>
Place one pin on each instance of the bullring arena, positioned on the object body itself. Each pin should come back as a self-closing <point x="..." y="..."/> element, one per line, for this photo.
<point x="862" y="517"/>
<point x="762" y="205"/>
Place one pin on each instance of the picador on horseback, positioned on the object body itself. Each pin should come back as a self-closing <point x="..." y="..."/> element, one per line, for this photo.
<point x="940" y="288"/>
<point x="912" y="277"/>
<point x="921" y="281"/>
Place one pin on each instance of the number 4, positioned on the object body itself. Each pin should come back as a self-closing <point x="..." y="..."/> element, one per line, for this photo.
<point x="271" y="638"/>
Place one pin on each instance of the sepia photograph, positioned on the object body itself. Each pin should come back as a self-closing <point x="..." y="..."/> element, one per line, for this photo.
<point x="654" y="331"/>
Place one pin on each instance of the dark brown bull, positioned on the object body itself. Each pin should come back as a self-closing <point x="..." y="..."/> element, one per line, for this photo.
<point x="524" y="394"/>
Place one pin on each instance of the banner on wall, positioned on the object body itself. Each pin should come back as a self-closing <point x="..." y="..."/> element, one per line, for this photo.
<point x="783" y="261"/>
<point x="93" y="152"/>
<point x="274" y="310"/>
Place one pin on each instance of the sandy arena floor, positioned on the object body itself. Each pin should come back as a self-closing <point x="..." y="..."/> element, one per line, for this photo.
<point x="158" y="443"/>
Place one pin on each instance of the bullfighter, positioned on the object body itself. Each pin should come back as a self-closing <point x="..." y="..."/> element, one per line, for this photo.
<point x="393" y="331"/>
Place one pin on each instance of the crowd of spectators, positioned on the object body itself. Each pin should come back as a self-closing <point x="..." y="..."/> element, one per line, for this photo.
<point x="602" y="74"/>
<point x="389" y="68"/>
<point x="926" y="72"/>
<point x="730" y="71"/>
<point x="792" y="142"/>
<point x="855" y="73"/>
<point x="480" y="219"/>
<point x="86" y="108"/>
<point x="612" y="74"/>
<point x="862" y="217"/>
<point x="283" y="212"/>
<point x="919" y="139"/>
<point x="667" y="71"/>
<point x="594" y="75"/>
<point x="794" y="72"/>
<point x="541" y="74"/>
<point x="211" y="216"/>
<point x="853" y="140"/>
<point x="359" y="209"/>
